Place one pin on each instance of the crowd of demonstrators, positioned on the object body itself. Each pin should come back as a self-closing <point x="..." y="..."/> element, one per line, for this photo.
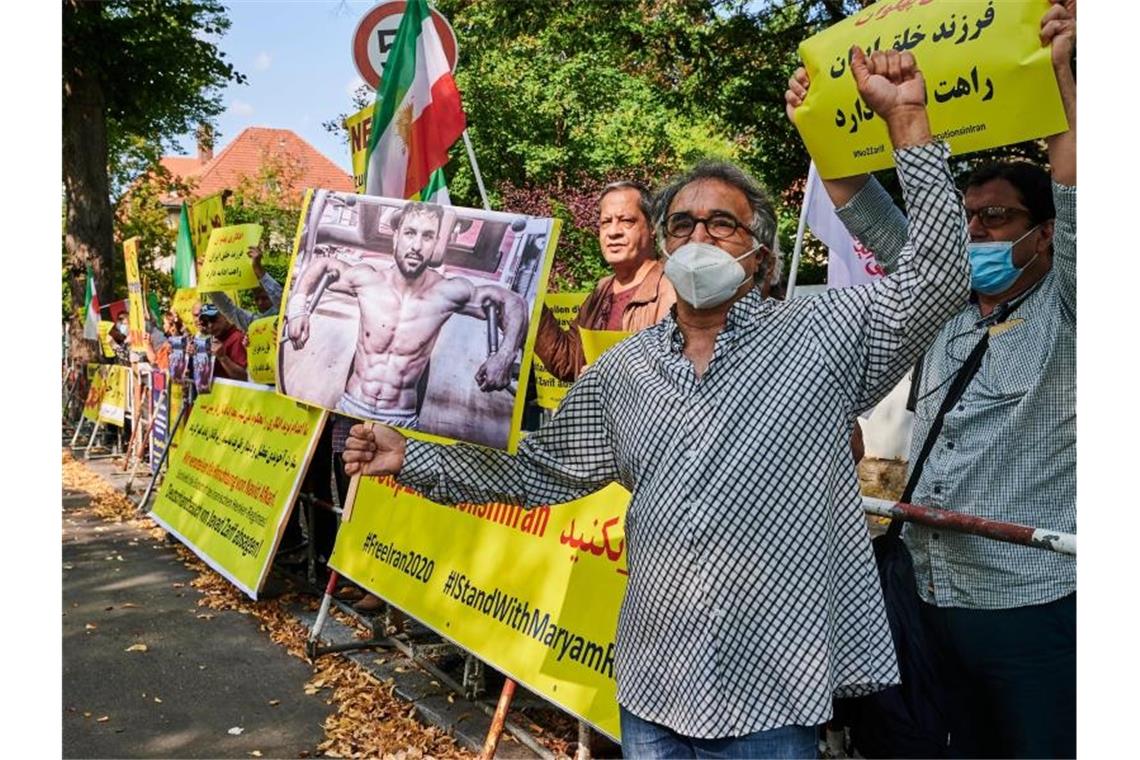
<point x="739" y="623"/>
<point x="1002" y="616"/>
<point x="635" y="296"/>
<point x="753" y="598"/>
<point x="267" y="296"/>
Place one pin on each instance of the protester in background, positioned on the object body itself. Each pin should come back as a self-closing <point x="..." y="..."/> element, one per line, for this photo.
<point x="226" y="343"/>
<point x="158" y="352"/>
<point x="1003" y="615"/>
<point x="119" y="337"/>
<point x="635" y="296"/>
<point x="752" y="592"/>
<point x="267" y="296"/>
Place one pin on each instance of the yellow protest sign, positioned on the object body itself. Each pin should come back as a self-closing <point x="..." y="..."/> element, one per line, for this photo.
<point x="234" y="477"/>
<point x="227" y="265"/>
<point x="533" y="593"/>
<point x="989" y="80"/>
<point x="183" y="305"/>
<point x="136" y="315"/>
<point x="95" y="389"/>
<point x="548" y="389"/>
<point x="206" y="215"/>
<point x="597" y="342"/>
<point x="359" y="127"/>
<point x="105" y="337"/>
<point x="262" y="351"/>
<point x="113" y="405"/>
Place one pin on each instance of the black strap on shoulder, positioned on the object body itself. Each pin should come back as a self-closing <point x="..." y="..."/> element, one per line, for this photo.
<point x="957" y="387"/>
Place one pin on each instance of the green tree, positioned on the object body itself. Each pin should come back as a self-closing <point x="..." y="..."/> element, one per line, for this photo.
<point x="136" y="73"/>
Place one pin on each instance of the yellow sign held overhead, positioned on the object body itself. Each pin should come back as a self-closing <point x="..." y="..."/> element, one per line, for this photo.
<point x="989" y="81"/>
<point x="359" y="127"/>
<point x="206" y="215"/>
<point x="227" y="265"/>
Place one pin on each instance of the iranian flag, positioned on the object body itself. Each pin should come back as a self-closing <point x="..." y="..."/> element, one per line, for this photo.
<point x="91" y="308"/>
<point x="418" y="114"/>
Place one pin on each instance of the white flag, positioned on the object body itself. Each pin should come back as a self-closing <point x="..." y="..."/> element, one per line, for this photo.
<point x="848" y="262"/>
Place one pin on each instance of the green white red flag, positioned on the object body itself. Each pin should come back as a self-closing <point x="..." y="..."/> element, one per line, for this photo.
<point x="91" y="308"/>
<point x="418" y="114"/>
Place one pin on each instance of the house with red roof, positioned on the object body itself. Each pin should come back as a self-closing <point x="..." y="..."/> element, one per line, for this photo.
<point x="303" y="166"/>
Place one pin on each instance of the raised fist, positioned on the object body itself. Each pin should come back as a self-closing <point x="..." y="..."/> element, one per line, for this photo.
<point x="889" y="82"/>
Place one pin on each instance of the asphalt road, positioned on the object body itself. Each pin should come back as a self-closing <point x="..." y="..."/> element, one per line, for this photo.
<point x="199" y="680"/>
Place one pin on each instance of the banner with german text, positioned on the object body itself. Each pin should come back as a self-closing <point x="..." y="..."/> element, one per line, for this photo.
<point x="234" y="476"/>
<point x="534" y="593"/>
<point x="989" y="80"/>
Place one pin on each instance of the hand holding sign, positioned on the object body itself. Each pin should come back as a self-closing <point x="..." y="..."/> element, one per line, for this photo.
<point x="373" y="450"/>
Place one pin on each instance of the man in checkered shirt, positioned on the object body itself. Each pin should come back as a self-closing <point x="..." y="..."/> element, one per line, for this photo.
<point x="752" y="594"/>
<point x="1002" y="615"/>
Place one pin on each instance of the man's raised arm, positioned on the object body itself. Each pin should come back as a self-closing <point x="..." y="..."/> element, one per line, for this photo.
<point x="900" y="314"/>
<point x="1059" y="30"/>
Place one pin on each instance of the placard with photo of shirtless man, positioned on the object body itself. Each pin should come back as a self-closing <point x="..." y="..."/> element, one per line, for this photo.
<point x="415" y="315"/>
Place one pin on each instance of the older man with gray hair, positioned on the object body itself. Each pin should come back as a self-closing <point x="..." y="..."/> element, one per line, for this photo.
<point x="752" y="597"/>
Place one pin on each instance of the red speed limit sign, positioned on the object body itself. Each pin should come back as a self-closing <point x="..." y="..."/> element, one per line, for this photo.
<point x="376" y="33"/>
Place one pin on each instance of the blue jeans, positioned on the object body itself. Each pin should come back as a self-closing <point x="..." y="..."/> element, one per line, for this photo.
<point x="642" y="739"/>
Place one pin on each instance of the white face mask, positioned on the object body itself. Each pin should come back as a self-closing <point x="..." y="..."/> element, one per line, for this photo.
<point x="705" y="275"/>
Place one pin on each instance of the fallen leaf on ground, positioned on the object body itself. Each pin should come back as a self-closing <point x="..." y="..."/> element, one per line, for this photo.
<point x="255" y="753"/>
<point x="103" y="719"/>
<point x="90" y="626"/>
<point x="274" y="702"/>
<point x="156" y="699"/>
<point x="127" y="605"/>
<point x="136" y="648"/>
<point x="236" y="731"/>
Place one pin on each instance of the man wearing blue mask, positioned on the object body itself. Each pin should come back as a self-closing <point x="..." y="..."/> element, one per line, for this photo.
<point x="752" y="593"/>
<point x="1003" y="615"/>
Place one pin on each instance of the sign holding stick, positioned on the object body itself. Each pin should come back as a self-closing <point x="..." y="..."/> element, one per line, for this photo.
<point x="989" y="80"/>
<point x="227" y="265"/>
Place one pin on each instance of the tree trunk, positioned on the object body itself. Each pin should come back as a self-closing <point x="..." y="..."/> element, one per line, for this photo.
<point x="88" y="220"/>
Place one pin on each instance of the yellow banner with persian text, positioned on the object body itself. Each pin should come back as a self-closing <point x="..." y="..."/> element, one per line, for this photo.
<point x="136" y="314"/>
<point x="534" y="593"/>
<point x="227" y="265"/>
<point x="206" y="214"/>
<point x="234" y="477"/>
<point x="262" y="351"/>
<point x="548" y="389"/>
<point x="989" y="81"/>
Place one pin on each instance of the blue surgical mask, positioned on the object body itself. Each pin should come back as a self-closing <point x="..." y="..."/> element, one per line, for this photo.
<point x="991" y="264"/>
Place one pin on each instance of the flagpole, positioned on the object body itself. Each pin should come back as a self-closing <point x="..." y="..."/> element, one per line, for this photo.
<point x="475" y="168"/>
<point x="799" y="246"/>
